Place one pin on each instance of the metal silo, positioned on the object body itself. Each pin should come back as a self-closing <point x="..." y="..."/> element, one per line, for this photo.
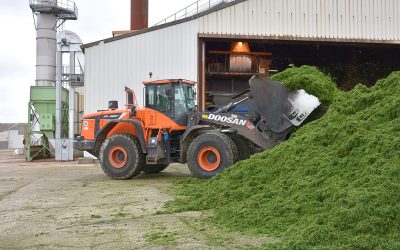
<point x="47" y="117"/>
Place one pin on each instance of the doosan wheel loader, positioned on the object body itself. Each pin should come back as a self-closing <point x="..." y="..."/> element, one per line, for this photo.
<point x="169" y="128"/>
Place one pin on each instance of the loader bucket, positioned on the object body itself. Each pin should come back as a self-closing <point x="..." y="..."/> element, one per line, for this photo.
<point x="279" y="107"/>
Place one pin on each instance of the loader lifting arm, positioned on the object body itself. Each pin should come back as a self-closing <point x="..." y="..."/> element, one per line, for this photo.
<point x="274" y="112"/>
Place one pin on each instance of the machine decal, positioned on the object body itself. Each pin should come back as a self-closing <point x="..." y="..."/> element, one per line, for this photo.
<point x="112" y="116"/>
<point x="250" y="125"/>
<point x="105" y="116"/>
<point x="225" y="119"/>
<point x="85" y="125"/>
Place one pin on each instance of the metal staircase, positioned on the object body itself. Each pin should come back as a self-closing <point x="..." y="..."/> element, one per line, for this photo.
<point x="194" y="9"/>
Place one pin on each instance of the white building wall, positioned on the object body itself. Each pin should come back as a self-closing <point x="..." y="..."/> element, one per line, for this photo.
<point x="167" y="53"/>
<point x="334" y="19"/>
<point x="15" y="140"/>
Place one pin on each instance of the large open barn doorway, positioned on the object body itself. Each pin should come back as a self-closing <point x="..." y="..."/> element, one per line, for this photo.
<point x="226" y="65"/>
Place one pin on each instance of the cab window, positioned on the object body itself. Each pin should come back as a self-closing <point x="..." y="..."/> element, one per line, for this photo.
<point x="184" y="99"/>
<point x="159" y="97"/>
<point x="180" y="101"/>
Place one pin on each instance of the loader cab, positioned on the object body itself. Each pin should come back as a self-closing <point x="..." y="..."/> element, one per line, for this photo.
<point x="173" y="98"/>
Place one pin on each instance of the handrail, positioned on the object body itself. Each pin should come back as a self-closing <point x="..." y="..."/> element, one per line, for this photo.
<point x="64" y="4"/>
<point x="67" y="4"/>
<point x="193" y="9"/>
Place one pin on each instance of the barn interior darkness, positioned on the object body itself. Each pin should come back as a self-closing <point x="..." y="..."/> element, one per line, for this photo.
<point x="227" y="72"/>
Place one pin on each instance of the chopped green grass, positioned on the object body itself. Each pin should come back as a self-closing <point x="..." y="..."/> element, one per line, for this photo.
<point x="334" y="185"/>
<point x="311" y="79"/>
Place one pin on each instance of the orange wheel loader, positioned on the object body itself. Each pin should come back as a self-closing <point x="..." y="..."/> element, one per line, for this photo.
<point x="169" y="128"/>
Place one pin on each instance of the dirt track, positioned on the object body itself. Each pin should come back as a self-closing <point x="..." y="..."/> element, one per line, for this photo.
<point x="66" y="205"/>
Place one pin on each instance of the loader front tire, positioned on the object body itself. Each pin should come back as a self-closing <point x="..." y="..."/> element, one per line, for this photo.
<point x="210" y="153"/>
<point x="243" y="147"/>
<point x="121" y="157"/>
<point x="154" y="169"/>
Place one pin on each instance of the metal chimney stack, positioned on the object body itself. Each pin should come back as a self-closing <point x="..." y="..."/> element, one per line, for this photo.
<point x="48" y="14"/>
<point x="139" y="14"/>
<point x="46" y="46"/>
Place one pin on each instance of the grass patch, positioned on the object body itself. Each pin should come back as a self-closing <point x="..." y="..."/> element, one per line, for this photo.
<point x="333" y="185"/>
<point x="212" y="236"/>
<point x="95" y="216"/>
<point x="121" y="214"/>
<point x="161" y="238"/>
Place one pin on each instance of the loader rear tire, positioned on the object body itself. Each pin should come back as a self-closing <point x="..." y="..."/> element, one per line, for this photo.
<point x="121" y="157"/>
<point x="210" y="153"/>
<point x="154" y="169"/>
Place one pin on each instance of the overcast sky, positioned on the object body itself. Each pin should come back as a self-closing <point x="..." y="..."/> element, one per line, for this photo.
<point x="97" y="18"/>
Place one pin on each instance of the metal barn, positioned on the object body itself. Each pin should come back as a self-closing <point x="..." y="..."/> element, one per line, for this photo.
<point x="222" y="45"/>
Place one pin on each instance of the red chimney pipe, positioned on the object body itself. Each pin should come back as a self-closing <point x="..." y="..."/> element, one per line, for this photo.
<point x="139" y="14"/>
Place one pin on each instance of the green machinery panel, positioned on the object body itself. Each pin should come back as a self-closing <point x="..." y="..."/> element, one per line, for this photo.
<point x="44" y="98"/>
<point x="47" y="122"/>
<point x="41" y="120"/>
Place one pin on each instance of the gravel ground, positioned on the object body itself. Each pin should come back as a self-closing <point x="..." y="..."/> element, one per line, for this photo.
<point x="47" y="204"/>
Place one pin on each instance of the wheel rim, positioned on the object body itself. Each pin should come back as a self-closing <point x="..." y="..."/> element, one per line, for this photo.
<point x="118" y="157"/>
<point x="209" y="158"/>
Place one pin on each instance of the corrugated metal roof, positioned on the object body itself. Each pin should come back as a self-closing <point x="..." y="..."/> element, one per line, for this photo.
<point x="162" y="26"/>
<point x="333" y="20"/>
<point x="368" y="21"/>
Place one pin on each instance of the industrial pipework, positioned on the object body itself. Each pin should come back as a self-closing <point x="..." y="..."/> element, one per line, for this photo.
<point x="46" y="45"/>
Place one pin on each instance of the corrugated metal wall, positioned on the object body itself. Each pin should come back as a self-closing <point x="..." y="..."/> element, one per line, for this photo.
<point x="168" y="53"/>
<point x="15" y="140"/>
<point x="336" y="19"/>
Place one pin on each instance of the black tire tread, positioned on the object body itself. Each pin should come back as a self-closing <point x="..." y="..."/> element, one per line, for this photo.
<point x="138" y="151"/>
<point x="243" y="147"/>
<point x="232" y="152"/>
<point x="231" y="144"/>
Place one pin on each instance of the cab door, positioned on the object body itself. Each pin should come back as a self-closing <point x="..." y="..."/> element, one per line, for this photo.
<point x="159" y="97"/>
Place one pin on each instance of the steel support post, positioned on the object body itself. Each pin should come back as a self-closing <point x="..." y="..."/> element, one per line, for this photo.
<point x="58" y="146"/>
<point x="71" y="113"/>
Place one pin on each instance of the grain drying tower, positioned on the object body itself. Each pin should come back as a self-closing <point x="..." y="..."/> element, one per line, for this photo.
<point x="48" y="104"/>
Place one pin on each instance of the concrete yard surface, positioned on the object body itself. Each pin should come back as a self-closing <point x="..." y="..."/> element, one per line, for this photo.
<point x="47" y="204"/>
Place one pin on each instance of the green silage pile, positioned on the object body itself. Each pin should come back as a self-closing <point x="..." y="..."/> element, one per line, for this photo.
<point x="334" y="185"/>
<point x="311" y="79"/>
